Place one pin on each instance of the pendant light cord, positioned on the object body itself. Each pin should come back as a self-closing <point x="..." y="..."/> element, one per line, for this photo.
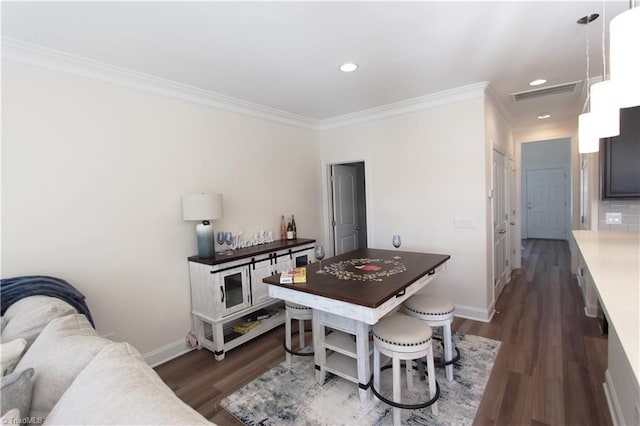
<point x="587" y="100"/>
<point x="604" y="24"/>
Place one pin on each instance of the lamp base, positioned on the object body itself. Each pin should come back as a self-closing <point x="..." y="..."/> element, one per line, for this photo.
<point x="204" y="233"/>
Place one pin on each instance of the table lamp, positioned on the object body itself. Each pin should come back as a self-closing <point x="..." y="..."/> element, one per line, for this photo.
<point x="203" y="208"/>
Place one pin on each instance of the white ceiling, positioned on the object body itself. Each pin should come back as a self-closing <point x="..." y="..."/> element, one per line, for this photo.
<point x="285" y="55"/>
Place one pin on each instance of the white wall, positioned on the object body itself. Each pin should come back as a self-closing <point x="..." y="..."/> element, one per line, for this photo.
<point x="423" y="169"/>
<point x="92" y="179"/>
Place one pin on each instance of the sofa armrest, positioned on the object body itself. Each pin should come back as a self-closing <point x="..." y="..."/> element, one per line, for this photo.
<point x="118" y="387"/>
<point x="29" y="316"/>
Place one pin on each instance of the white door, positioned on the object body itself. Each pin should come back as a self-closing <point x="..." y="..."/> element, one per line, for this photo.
<point x="345" y="207"/>
<point x="546" y="203"/>
<point x="500" y="223"/>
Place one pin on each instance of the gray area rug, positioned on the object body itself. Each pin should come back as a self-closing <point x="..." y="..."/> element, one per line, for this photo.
<point x="290" y="395"/>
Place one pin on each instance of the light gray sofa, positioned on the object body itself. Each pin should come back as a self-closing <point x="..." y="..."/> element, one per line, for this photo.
<point x="77" y="377"/>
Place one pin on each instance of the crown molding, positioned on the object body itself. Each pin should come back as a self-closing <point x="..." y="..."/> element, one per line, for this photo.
<point x="472" y="91"/>
<point x="16" y="51"/>
<point x="23" y="53"/>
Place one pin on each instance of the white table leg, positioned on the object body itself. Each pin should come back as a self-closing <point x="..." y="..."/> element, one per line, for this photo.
<point x="320" y="356"/>
<point x="364" y="360"/>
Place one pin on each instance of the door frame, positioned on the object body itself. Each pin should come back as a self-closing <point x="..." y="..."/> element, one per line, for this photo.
<point x="327" y="200"/>
<point x="507" y="238"/>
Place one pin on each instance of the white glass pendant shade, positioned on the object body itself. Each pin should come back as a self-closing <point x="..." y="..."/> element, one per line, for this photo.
<point x="604" y="108"/>
<point x="588" y="141"/>
<point x="624" y="58"/>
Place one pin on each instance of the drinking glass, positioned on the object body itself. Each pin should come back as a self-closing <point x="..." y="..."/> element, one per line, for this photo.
<point x="396" y="243"/>
<point x="319" y="252"/>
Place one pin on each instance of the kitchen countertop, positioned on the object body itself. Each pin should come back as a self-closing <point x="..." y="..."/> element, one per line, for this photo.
<point x="613" y="260"/>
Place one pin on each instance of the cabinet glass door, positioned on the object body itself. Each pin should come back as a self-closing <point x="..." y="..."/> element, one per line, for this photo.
<point x="234" y="290"/>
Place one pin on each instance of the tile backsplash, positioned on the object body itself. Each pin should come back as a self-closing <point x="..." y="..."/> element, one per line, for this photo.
<point x="630" y="210"/>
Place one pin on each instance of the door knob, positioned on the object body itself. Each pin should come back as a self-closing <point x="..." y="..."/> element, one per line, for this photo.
<point x="358" y="228"/>
<point x="502" y="231"/>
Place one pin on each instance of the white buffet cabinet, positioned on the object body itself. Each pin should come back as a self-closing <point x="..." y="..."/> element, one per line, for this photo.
<point x="227" y="288"/>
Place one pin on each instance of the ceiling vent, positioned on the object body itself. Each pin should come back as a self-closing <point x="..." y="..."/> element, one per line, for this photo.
<point x="546" y="91"/>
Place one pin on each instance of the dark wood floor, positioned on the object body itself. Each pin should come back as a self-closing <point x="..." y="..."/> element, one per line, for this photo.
<point x="549" y="370"/>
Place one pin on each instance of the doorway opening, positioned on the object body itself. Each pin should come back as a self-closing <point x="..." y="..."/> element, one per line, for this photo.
<point x="347" y="206"/>
<point x="546" y="189"/>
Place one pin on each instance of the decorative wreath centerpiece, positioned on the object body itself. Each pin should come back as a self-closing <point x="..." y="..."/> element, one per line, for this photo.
<point x="365" y="269"/>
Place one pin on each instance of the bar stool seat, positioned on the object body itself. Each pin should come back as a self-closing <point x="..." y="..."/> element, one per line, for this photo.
<point x="402" y="337"/>
<point x="293" y="311"/>
<point x="436" y="312"/>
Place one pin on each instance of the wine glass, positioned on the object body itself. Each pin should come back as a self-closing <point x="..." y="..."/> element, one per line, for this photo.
<point x="220" y="238"/>
<point x="396" y="243"/>
<point x="228" y="240"/>
<point x="319" y="252"/>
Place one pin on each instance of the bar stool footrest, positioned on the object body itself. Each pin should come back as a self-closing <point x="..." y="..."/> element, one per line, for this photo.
<point x="440" y="363"/>
<point x="297" y="353"/>
<point x="399" y="404"/>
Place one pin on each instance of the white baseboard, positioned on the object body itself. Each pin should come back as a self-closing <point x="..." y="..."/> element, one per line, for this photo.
<point x="612" y="400"/>
<point x="177" y="348"/>
<point x="591" y="311"/>
<point x="473" y="313"/>
<point x="166" y="353"/>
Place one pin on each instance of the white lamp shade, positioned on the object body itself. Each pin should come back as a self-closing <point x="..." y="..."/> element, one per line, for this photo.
<point x="624" y="58"/>
<point x="201" y="206"/>
<point x="588" y="141"/>
<point x="604" y="108"/>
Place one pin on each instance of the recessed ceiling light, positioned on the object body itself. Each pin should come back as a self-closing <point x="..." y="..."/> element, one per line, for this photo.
<point x="544" y="115"/>
<point x="537" y="82"/>
<point x="348" y="67"/>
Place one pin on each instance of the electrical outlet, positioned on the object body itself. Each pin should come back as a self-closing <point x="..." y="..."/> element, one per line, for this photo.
<point x="613" y="218"/>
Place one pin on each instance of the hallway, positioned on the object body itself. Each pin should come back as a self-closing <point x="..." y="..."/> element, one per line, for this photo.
<point x="551" y="364"/>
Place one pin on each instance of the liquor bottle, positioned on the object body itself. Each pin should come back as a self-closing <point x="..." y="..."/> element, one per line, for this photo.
<point x="283" y="229"/>
<point x="289" y="231"/>
<point x="293" y="226"/>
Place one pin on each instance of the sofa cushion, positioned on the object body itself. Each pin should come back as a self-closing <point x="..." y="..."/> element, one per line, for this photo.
<point x="118" y="387"/>
<point x="29" y="316"/>
<point x="16" y="391"/>
<point x="10" y="353"/>
<point x="11" y="417"/>
<point x="61" y="351"/>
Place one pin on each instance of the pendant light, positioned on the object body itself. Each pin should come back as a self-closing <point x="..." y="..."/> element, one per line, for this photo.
<point x="588" y="141"/>
<point x="624" y="58"/>
<point x="604" y="98"/>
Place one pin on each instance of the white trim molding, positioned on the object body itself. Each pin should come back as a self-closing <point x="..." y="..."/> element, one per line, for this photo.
<point x="473" y="313"/>
<point x="612" y="400"/>
<point x="16" y="51"/>
<point x="472" y="91"/>
<point x="20" y="52"/>
<point x="166" y="353"/>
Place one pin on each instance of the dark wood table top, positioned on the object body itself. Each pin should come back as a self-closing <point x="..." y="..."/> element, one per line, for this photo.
<point x="243" y="253"/>
<point x="366" y="277"/>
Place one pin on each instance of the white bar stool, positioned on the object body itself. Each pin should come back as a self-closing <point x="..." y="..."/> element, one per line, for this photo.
<point x="402" y="337"/>
<point x="437" y="312"/>
<point x="293" y="311"/>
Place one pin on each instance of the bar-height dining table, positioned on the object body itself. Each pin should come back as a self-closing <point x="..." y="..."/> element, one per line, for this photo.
<point x="356" y="290"/>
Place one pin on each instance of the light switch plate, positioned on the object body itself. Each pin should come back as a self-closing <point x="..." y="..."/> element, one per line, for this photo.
<point x="613" y="218"/>
<point x="464" y="222"/>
